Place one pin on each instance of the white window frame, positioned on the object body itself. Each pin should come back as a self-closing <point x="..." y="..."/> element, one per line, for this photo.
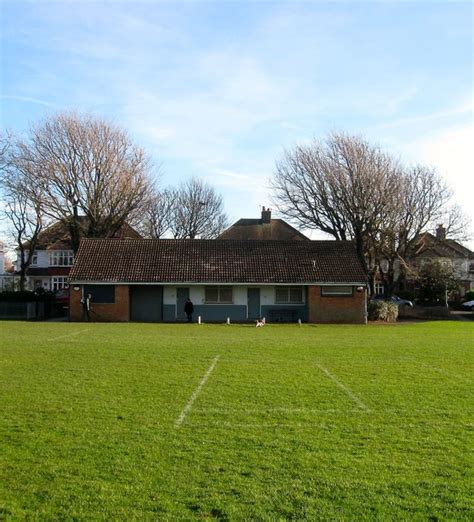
<point x="379" y="288"/>
<point x="219" y="298"/>
<point x="288" y="299"/>
<point x="34" y="258"/>
<point x="58" y="283"/>
<point x="61" y="258"/>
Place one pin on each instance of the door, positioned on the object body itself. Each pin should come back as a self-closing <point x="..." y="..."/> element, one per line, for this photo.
<point x="182" y="294"/>
<point x="253" y="303"/>
<point x="146" y="304"/>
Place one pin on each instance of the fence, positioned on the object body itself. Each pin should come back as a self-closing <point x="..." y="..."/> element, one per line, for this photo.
<point x="22" y="311"/>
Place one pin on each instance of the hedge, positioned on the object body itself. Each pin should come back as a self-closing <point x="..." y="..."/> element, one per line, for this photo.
<point x="382" y="311"/>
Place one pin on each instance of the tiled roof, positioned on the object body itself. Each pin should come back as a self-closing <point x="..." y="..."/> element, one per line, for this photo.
<point x="57" y="237"/>
<point x="258" y="229"/>
<point x="429" y="246"/>
<point x="216" y="261"/>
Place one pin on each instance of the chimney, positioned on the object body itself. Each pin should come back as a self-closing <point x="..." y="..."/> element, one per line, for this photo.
<point x="266" y="215"/>
<point x="440" y="233"/>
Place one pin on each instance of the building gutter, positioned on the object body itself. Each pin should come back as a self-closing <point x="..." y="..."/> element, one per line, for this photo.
<point x="213" y="283"/>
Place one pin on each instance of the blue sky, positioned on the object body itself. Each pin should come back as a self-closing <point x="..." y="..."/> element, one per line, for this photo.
<point x="218" y="89"/>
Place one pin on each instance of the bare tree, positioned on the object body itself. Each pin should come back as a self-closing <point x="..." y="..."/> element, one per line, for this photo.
<point x="421" y="199"/>
<point x="156" y="219"/>
<point x="85" y="166"/>
<point x="25" y="219"/>
<point x="5" y="149"/>
<point x="197" y="211"/>
<point x="351" y="189"/>
<point x="340" y="186"/>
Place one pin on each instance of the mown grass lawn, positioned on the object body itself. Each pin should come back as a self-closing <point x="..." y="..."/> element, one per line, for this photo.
<point x="310" y="422"/>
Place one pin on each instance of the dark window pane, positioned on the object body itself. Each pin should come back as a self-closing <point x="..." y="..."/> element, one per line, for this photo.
<point x="212" y="294"/>
<point x="281" y="294"/>
<point x="101" y="293"/>
<point x="296" y="294"/>
<point x="225" y="294"/>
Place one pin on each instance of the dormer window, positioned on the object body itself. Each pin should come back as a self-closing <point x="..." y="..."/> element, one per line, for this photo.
<point x="61" y="258"/>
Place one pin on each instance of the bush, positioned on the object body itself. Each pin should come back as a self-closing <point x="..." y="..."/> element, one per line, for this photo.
<point x="382" y="311"/>
<point x="39" y="295"/>
<point x="469" y="296"/>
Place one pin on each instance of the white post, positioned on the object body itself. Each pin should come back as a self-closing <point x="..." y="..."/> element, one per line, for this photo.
<point x="228" y="320"/>
<point x="299" y="322"/>
<point x="199" y="319"/>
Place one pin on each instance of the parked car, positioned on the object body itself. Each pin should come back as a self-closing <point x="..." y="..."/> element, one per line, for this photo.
<point x="393" y="299"/>
<point x="62" y="296"/>
<point x="469" y="305"/>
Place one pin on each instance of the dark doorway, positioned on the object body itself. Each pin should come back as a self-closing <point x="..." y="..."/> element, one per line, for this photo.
<point x="146" y="304"/>
<point x="253" y="303"/>
<point x="182" y="294"/>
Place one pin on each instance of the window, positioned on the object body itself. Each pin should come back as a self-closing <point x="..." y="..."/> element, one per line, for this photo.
<point x="58" y="283"/>
<point x="336" y="290"/>
<point x="379" y="289"/>
<point x="61" y="258"/>
<point x="34" y="258"/>
<point x="100" y="293"/>
<point x="289" y="294"/>
<point x="218" y="294"/>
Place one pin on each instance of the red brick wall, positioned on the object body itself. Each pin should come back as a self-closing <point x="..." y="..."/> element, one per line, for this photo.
<point x="336" y="309"/>
<point x="118" y="311"/>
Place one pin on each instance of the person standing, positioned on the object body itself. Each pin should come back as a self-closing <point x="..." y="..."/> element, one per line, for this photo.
<point x="189" y="309"/>
<point x="86" y="307"/>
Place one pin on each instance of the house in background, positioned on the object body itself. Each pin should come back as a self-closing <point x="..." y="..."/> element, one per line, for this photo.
<point x="283" y="281"/>
<point x="263" y="228"/>
<point x="438" y="247"/>
<point x="6" y="270"/>
<point x="53" y="257"/>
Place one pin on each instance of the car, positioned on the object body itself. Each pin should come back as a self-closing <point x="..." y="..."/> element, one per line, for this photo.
<point x="393" y="299"/>
<point x="62" y="296"/>
<point x="469" y="305"/>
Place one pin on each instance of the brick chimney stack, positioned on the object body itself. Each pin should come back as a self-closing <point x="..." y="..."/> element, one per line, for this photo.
<point x="440" y="233"/>
<point x="266" y="215"/>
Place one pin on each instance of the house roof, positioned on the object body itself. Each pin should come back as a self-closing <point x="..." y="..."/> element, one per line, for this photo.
<point x="216" y="261"/>
<point x="57" y="235"/>
<point x="429" y="245"/>
<point x="276" y="229"/>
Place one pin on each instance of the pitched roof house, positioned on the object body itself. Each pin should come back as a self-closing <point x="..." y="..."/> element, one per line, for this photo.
<point x="448" y="251"/>
<point x="149" y="280"/>
<point x="54" y="256"/>
<point x="263" y="228"/>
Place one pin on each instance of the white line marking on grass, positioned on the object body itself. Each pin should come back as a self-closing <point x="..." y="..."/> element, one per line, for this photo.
<point x="68" y="335"/>
<point x="189" y="405"/>
<point x="344" y="388"/>
<point x="270" y="411"/>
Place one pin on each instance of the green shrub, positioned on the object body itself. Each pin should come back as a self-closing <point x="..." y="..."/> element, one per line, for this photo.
<point x="26" y="296"/>
<point x="469" y="296"/>
<point x="382" y="311"/>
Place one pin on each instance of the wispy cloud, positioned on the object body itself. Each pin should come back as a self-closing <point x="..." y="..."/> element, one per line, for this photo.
<point x="28" y="99"/>
<point x="460" y="110"/>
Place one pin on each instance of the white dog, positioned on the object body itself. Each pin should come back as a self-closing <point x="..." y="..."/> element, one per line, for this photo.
<point x="260" y="322"/>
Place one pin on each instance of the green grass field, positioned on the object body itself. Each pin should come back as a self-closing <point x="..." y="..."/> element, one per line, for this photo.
<point x="143" y="421"/>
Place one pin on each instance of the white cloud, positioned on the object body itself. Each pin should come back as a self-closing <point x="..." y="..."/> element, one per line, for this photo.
<point x="449" y="150"/>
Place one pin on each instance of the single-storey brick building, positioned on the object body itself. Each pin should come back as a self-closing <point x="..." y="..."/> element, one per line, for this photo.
<point x="283" y="281"/>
